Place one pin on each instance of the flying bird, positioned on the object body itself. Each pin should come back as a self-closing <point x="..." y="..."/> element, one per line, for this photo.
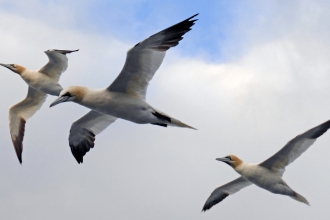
<point x="268" y="174"/>
<point x="41" y="82"/>
<point x="125" y="98"/>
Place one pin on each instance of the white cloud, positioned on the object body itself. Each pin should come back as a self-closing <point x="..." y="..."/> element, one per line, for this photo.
<point x="251" y="106"/>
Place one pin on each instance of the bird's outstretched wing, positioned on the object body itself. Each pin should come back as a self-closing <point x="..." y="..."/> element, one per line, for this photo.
<point x="294" y="148"/>
<point x="223" y="191"/>
<point x="20" y="113"/>
<point x="57" y="64"/>
<point x="144" y="59"/>
<point x="83" y="131"/>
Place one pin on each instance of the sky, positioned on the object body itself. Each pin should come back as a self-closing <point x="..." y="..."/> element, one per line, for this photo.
<point x="250" y="76"/>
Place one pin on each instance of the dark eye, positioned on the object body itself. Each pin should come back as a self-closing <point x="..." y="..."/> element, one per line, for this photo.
<point x="67" y="94"/>
<point x="229" y="157"/>
<point x="13" y="65"/>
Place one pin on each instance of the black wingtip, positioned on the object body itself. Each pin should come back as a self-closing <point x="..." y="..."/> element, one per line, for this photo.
<point x="79" y="158"/>
<point x="192" y="21"/>
<point x="188" y="21"/>
<point x="77" y="155"/>
<point x="193" y="16"/>
<point x="65" y="52"/>
<point x="19" y="156"/>
<point x="321" y="129"/>
<point x="210" y="203"/>
<point x="174" y="34"/>
<point x="18" y="140"/>
<point x="205" y="208"/>
<point x="80" y="150"/>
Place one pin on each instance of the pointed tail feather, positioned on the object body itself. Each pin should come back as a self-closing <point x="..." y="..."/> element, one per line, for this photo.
<point x="177" y="123"/>
<point x="169" y="120"/>
<point x="300" y="198"/>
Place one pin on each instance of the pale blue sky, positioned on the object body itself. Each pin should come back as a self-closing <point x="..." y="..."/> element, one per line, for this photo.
<point x="129" y="20"/>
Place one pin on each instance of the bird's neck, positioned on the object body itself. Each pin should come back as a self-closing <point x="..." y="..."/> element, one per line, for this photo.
<point x="238" y="162"/>
<point x="90" y="97"/>
<point x="246" y="169"/>
<point x="20" y="70"/>
<point x="29" y="76"/>
<point x="23" y="72"/>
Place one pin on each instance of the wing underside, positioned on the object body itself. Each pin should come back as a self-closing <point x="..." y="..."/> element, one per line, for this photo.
<point x="144" y="59"/>
<point x="294" y="148"/>
<point x="84" y="130"/>
<point x="57" y="64"/>
<point x="224" y="191"/>
<point x="20" y="113"/>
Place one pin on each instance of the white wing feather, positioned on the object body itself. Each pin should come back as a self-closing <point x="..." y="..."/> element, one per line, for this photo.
<point x="20" y="113"/>
<point x="144" y="59"/>
<point x="57" y="64"/>
<point x="294" y="148"/>
<point x="140" y="66"/>
<point x="223" y="191"/>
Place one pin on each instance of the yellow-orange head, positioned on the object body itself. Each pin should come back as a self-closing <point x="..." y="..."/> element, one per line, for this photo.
<point x="231" y="160"/>
<point x="14" y="67"/>
<point x="72" y="93"/>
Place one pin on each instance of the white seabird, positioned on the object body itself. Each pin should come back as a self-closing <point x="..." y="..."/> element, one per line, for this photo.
<point x="268" y="174"/>
<point x="41" y="82"/>
<point x="125" y="97"/>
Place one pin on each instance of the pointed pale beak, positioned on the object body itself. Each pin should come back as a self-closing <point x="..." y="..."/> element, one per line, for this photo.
<point x="59" y="100"/>
<point x="5" y="65"/>
<point x="223" y="159"/>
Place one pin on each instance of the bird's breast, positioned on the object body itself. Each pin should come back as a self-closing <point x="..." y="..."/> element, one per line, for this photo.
<point x="41" y="82"/>
<point x="116" y="104"/>
<point x="258" y="175"/>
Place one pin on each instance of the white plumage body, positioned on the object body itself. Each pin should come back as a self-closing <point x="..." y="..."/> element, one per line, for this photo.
<point x="268" y="174"/>
<point x="41" y="82"/>
<point x="125" y="96"/>
<point x="264" y="178"/>
<point x="119" y="105"/>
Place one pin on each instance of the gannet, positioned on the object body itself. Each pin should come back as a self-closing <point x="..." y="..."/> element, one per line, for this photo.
<point x="268" y="174"/>
<point x="125" y="97"/>
<point x="41" y="82"/>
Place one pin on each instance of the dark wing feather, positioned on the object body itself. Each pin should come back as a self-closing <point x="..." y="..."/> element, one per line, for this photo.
<point x="57" y="64"/>
<point x="144" y="59"/>
<point x="83" y="131"/>
<point x="20" y="113"/>
<point x="223" y="191"/>
<point x="294" y="148"/>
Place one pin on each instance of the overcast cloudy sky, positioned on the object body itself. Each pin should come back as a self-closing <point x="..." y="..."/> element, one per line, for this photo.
<point x="251" y="75"/>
